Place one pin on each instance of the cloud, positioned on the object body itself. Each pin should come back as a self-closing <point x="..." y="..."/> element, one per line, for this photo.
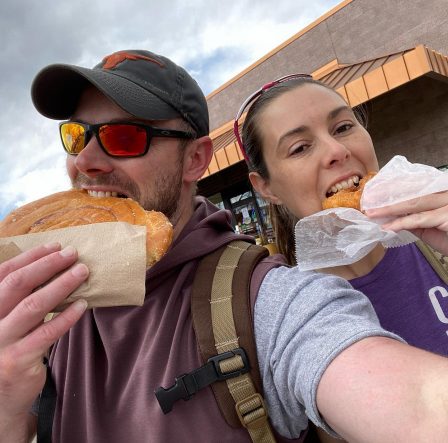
<point x="213" y="40"/>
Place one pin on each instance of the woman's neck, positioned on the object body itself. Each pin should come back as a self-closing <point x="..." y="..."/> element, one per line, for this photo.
<point x="360" y="268"/>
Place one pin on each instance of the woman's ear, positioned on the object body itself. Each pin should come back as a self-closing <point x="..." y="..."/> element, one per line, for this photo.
<point x="197" y="157"/>
<point x="261" y="185"/>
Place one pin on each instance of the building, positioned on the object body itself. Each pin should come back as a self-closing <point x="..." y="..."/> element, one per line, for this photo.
<point x="389" y="56"/>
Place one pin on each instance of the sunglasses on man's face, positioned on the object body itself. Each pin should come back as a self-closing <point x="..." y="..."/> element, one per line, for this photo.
<point x="115" y="139"/>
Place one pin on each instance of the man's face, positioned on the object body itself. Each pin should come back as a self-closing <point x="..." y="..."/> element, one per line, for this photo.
<point x="154" y="180"/>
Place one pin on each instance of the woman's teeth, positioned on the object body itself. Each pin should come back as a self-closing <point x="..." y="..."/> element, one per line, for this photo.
<point x="102" y="194"/>
<point x="345" y="184"/>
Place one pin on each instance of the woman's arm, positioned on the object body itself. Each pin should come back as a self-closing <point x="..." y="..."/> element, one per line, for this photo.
<point x="381" y="390"/>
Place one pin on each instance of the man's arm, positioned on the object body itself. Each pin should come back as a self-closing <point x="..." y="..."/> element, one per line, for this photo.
<point x="381" y="390"/>
<point x="24" y="338"/>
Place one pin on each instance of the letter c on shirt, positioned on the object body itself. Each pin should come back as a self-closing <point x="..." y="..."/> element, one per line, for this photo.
<point x="436" y="304"/>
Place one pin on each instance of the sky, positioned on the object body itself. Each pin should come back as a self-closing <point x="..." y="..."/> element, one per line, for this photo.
<point x="213" y="39"/>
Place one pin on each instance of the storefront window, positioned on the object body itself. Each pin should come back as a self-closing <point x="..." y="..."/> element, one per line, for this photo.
<point x="252" y="217"/>
<point x="266" y="218"/>
<point x="249" y="212"/>
<point x="246" y="217"/>
<point x="217" y="200"/>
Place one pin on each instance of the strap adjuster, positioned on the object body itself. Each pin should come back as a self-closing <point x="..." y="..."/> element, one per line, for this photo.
<point x="217" y="359"/>
<point x="187" y="385"/>
<point x="252" y="411"/>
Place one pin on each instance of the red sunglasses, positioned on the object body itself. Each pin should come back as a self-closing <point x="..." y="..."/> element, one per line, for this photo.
<point x="115" y="139"/>
<point x="252" y="98"/>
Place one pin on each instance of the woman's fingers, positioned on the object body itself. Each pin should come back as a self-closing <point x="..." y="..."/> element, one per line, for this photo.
<point x="426" y="217"/>
<point x="421" y="204"/>
<point x="436" y="219"/>
<point x="429" y="226"/>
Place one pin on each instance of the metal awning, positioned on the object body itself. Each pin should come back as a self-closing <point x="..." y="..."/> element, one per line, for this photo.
<point x="358" y="83"/>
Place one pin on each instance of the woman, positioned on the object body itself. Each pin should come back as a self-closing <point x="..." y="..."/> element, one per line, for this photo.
<point x="302" y="142"/>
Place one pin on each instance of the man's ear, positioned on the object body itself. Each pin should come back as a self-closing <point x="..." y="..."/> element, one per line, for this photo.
<point x="261" y="185"/>
<point x="198" y="155"/>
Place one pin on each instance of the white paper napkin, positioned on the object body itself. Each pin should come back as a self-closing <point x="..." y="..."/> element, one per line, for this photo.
<point x="342" y="236"/>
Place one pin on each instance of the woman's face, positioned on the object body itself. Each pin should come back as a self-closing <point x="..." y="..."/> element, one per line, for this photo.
<point x="312" y="144"/>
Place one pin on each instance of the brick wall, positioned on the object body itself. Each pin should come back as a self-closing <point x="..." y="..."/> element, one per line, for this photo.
<point x="362" y="30"/>
<point x="412" y="121"/>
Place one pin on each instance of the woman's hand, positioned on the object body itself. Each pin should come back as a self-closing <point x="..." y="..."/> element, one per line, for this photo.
<point x="426" y="217"/>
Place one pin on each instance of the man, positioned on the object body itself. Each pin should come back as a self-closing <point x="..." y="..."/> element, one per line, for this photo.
<point x="350" y="375"/>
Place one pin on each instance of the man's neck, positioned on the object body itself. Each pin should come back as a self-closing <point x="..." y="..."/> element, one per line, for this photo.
<point x="182" y="216"/>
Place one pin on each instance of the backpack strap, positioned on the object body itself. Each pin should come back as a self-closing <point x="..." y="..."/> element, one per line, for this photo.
<point x="438" y="261"/>
<point x="222" y="319"/>
<point x="47" y="406"/>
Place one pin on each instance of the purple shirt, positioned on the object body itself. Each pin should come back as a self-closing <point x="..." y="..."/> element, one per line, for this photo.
<point x="409" y="298"/>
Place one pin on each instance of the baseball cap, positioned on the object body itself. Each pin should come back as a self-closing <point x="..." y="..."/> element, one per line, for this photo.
<point x="146" y="85"/>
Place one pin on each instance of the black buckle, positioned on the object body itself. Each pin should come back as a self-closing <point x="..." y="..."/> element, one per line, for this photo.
<point x="179" y="391"/>
<point x="187" y="385"/>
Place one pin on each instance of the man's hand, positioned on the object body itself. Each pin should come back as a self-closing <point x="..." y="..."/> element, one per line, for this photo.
<point x="426" y="217"/>
<point x="26" y="296"/>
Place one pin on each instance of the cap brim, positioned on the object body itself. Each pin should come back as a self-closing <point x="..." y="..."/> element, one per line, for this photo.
<point x="56" y="90"/>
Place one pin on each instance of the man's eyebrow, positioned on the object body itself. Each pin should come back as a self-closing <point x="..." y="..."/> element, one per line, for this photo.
<point x="114" y="120"/>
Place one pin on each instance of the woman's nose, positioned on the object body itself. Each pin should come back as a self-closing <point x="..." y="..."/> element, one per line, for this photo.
<point x="92" y="160"/>
<point x="335" y="151"/>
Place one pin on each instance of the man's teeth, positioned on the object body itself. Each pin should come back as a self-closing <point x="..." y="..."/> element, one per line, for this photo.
<point x="102" y="194"/>
<point x="344" y="184"/>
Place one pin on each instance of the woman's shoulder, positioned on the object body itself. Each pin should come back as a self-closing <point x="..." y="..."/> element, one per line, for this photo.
<point x="292" y="275"/>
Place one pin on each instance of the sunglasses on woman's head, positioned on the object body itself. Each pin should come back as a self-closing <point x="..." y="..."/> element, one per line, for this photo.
<point x="115" y="139"/>
<point x="252" y="98"/>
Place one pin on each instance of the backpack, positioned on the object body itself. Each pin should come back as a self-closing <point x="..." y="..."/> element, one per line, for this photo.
<point x="223" y="324"/>
<point x="222" y="320"/>
<point x="221" y="312"/>
<point x="438" y="261"/>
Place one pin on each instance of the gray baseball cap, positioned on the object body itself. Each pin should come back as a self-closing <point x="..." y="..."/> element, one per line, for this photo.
<point x="146" y="85"/>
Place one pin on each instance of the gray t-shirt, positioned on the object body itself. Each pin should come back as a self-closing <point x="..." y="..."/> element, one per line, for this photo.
<point x="301" y="325"/>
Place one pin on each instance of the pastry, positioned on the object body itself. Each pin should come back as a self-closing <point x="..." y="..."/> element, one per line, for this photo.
<point x="348" y="198"/>
<point x="77" y="207"/>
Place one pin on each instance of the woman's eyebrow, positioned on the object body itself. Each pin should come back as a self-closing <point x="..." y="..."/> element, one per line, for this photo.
<point x="295" y="131"/>
<point x="301" y="129"/>
<point x="337" y="111"/>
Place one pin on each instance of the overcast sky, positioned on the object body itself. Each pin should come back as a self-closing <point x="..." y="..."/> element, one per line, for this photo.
<point x="213" y="39"/>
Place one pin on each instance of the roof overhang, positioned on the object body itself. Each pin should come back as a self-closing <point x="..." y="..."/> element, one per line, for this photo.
<point x="358" y="83"/>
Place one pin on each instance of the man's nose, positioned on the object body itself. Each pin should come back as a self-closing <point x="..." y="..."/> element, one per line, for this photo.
<point x="92" y="160"/>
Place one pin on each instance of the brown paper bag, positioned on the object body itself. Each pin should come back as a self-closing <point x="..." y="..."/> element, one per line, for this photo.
<point x="114" y="252"/>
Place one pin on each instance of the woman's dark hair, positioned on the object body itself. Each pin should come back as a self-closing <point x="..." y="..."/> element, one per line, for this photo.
<point x="283" y="221"/>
